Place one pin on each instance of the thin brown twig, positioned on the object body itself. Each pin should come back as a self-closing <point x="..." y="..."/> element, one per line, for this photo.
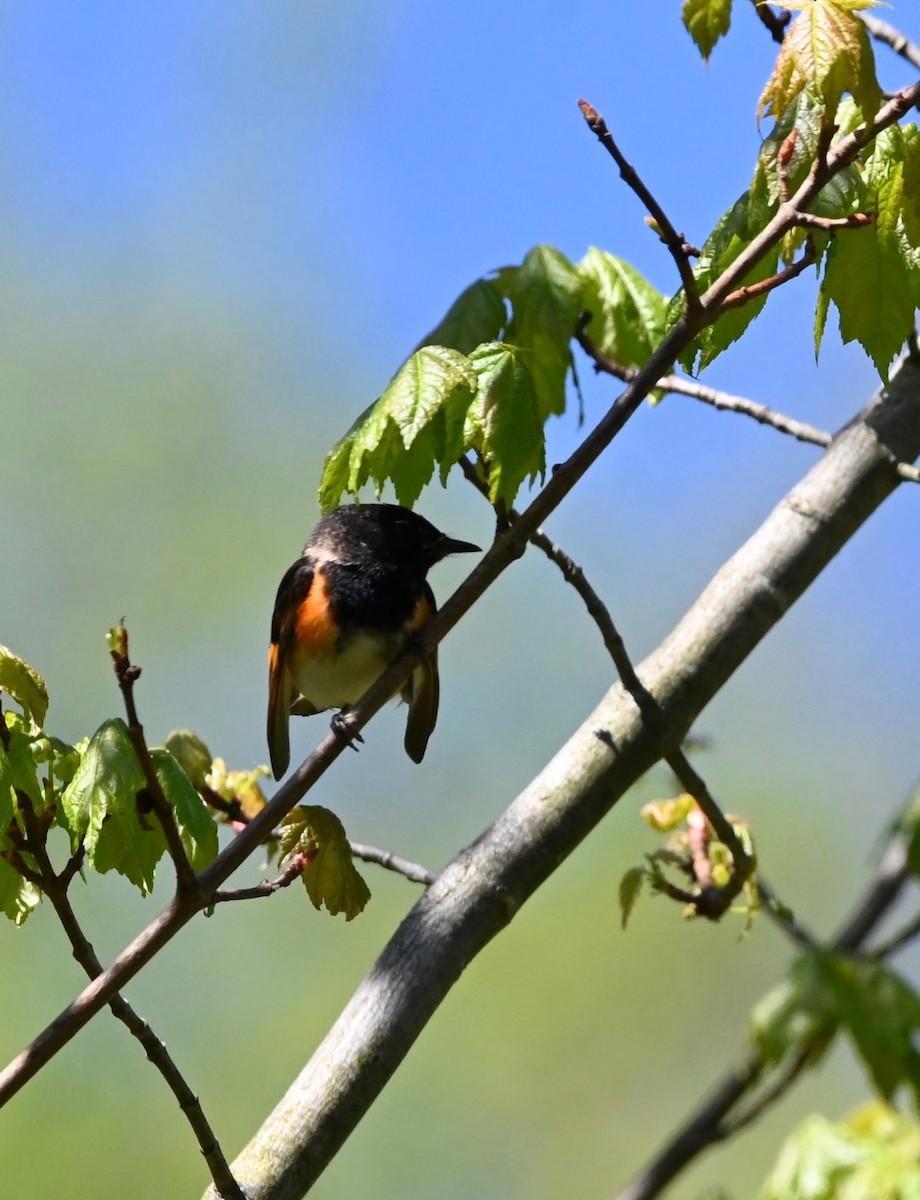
<point x="55" y="887"/>
<point x="414" y="872"/>
<point x="387" y="859"/>
<point x="723" y="401"/>
<point x="127" y="675"/>
<point x="893" y="38"/>
<point x="711" y="902"/>
<point x="679" y="248"/>
<point x="775" y="23"/>
<point x="268" y="887"/>
<point x="763" y="287"/>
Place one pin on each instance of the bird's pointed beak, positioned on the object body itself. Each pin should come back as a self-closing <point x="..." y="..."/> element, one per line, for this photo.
<point x="451" y="545"/>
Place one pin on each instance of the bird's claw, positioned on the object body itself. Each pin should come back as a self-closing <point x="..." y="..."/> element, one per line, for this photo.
<point x="341" y="727"/>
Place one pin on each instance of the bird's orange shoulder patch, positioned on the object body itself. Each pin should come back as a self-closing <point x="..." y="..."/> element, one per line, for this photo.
<point x="315" y="627"/>
<point x="422" y="613"/>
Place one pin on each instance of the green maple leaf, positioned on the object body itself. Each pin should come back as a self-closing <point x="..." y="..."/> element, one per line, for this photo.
<point x="503" y="424"/>
<point x="330" y="876"/>
<point x="21" y="681"/>
<point x="101" y="808"/>
<point x="706" y="21"/>
<point x="414" y="424"/>
<point x="827" y="49"/>
<point x="872" y="275"/>
<point x="627" y="313"/>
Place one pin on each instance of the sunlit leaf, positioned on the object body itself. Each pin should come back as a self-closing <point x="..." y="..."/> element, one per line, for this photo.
<point x="871" y="274"/>
<point x="21" y="681"/>
<point x="732" y="234"/>
<point x="407" y="431"/>
<point x="101" y="806"/>
<point x="706" y="21"/>
<point x="546" y="293"/>
<point x="872" y="1155"/>
<point x="330" y="876"/>
<point x="666" y="815"/>
<point x="191" y="754"/>
<point x="196" y="826"/>
<point x="503" y="423"/>
<point x="630" y="888"/>
<point x="477" y="315"/>
<point x="18" y="897"/>
<point x="627" y="312"/>
<point x="826" y="48"/>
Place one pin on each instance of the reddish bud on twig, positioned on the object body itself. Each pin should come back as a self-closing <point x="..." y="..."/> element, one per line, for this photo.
<point x="787" y="149"/>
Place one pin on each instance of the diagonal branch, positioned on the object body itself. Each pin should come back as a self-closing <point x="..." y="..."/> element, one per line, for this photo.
<point x="477" y="894"/>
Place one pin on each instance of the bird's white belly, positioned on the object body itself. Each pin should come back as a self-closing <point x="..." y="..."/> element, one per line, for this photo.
<point x="341" y="680"/>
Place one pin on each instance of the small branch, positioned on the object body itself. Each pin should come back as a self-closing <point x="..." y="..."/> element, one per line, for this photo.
<point x="54" y="887"/>
<point x="857" y="220"/>
<point x="898" y="940"/>
<point x="743" y="295"/>
<point x="781" y="916"/>
<point x="723" y="401"/>
<point x="414" y="872"/>
<point x="712" y="902"/>
<point x="127" y="675"/>
<point x="883" y="32"/>
<point x="775" y="23"/>
<point x="768" y="1097"/>
<point x="371" y="854"/>
<point x="259" y="891"/>
<point x="679" y="248"/>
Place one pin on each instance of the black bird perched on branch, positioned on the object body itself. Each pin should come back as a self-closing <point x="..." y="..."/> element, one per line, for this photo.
<point x="346" y="610"/>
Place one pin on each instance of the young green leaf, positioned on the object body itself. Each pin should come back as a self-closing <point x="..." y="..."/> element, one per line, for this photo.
<point x="101" y="807"/>
<point x="330" y="876"/>
<point x="871" y="274"/>
<point x="798" y="1014"/>
<point x="664" y="816"/>
<point x="732" y="234"/>
<point x="18" y="768"/>
<point x="826" y="48"/>
<point x="882" y="1016"/>
<point x="706" y="21"/>
<point x="196" y="826"/>
<point x="21" y="681"/>
<point x="546" y="294"/>
<point x="191" y="754"/>
<point x="477" y="315"/>
<point x="410" y="428"/>
<point x="873" y="1155"/>
<point x="18" y="897"/>
<point x="503" y="423"/>
<point x="627" y="313"/>
<point x="630" y="889"/>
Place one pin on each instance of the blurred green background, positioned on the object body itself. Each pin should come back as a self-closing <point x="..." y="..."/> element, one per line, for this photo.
<point x="222" y="228"/>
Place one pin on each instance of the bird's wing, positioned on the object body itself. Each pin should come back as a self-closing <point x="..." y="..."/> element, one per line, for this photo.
<point x="293" y="589"/>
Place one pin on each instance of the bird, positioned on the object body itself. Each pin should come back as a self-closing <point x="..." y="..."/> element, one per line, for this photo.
<point x="345" y="610"/>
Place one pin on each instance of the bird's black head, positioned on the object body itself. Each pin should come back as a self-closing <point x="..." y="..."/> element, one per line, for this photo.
<point x="359" y="533"/>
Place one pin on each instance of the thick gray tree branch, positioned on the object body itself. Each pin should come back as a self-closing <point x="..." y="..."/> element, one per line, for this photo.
<point x="478" y="894"/>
